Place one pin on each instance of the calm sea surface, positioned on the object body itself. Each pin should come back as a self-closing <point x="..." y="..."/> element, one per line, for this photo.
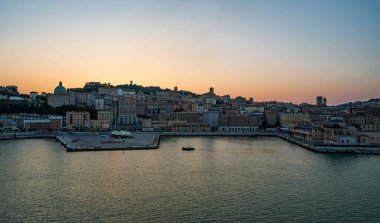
<point x="224" y="180"/>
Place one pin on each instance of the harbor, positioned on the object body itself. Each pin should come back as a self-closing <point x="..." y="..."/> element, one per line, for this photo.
<point x="40" y="171"/>
<point x="151" y="140"/>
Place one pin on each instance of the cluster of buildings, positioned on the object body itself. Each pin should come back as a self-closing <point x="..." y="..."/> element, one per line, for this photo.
<point x="181" y="111"/>
<point x="357" y="125"/>
<point x="10" y="95"/>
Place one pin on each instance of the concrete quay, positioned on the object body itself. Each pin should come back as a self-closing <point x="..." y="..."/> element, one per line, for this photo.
<point x="76" y="142"/>
<point x="326" y="148"/>
<point x="98" y="141"/>
<point x="245" y="134"/>
<point x="26" y="135"/>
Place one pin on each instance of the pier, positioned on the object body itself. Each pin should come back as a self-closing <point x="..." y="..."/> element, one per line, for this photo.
<point x="76" y="142"/>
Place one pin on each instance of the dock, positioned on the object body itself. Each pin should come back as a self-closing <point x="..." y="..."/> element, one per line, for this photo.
<point x="328" y="148"/>
<point x="102" y="141"/>
<point x="77" y="142"/>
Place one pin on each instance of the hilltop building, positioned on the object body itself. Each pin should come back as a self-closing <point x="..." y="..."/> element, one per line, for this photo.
<point x="60" y="97"/>
<point x="60" y="89"/>
<point x="321" y="101"/>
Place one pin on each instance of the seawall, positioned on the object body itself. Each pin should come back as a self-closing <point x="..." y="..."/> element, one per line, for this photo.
<point x="151" y="140"/>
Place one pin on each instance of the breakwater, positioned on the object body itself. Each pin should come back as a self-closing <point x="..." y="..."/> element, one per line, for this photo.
<point x="27" y="135"/>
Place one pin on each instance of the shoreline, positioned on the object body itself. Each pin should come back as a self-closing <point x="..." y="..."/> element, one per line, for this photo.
<point x="154" y="143"/>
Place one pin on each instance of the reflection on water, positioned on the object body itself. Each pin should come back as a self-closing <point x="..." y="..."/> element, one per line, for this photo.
<point x="224" y="179"/>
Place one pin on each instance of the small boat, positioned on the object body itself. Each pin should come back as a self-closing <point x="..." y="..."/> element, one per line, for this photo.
<point x="188" y="148"/>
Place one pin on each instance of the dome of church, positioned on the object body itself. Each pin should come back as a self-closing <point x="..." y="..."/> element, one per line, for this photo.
<point x="60" y="89"/>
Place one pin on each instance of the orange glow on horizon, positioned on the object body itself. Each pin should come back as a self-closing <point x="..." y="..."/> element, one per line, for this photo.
<point x="260" y="49"/>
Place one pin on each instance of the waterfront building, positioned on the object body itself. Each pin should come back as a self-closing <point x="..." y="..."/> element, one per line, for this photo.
<point x="258" y="117"/>
<point x="7" y="124"/>
<point x="271" y="116"/>
<point x="97" y="125"/>
<point x="160" y="125"/>
<point x="51" y="123"/>
<point x="20" y="117"/>
<point x="307" y="132"/>
<point x="56" y="122"/>
<point x="191" y="127"/>
<point x="103" y="120"/>
<point x="292" y="119"/>
<point x="369" y="137"/>
<point x="127" y="120"/>
<point x="77" y="120"/>
<point x="238" y="120"/>
<point x="317" y="133"/>
<point x="146" y="125"/>
<point x="190" y="117"/>
<point x="211" y="118"/>
<point x="41" y="124"/>
<point x="334" y="134"/>
<point x="301" y="134"/>
<point x="127" y="110"/>
<point x="346" y="140"/>
<point x="237" y="128"/>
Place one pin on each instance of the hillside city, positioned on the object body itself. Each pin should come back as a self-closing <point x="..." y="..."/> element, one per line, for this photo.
<point x="102" y="107"/>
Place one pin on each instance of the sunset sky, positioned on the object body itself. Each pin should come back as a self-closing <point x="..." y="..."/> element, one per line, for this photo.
<point x="284" y="50"/>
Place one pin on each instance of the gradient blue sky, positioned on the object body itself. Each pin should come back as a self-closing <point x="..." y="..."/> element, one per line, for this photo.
<point x="287" y="50"/>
